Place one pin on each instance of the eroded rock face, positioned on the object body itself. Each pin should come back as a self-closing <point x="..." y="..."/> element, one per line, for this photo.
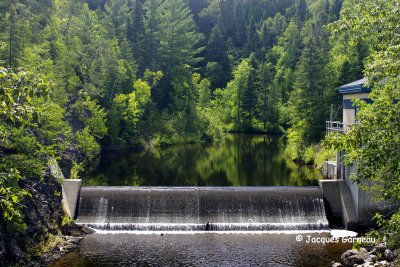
<point x="3" y="251"/>
<point x="43" y="216"/>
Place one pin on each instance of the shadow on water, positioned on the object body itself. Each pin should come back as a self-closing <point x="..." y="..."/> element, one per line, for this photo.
<point x="238" y="160"/>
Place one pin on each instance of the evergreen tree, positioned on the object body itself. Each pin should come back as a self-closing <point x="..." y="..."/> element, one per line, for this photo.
<point x="301" y="13"/>
<point x="289" y="47"/>
<point x="240" y="24"/>
<point x="117" y="12"/>
<point x="218" y="67"/>
<point x="15" y="32"/>
<point x="267" y="96"/>
<point x="151" y="60"/>
<point x="136" y="34"/>
<point x="177" y="51"/>
<point x="252" y="40"/>
<point x="307" y="101"/>
<point x="335" y="9"/>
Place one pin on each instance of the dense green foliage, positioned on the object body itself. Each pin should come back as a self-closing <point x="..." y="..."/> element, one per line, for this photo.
<point x="31" y="131"/>
<point x="201" y="67"/>
<point x="372" y="146"/>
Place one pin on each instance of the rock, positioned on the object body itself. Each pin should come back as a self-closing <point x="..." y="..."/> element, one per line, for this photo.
<point x="3" y="252"/>
<point x="351" y="257"/>
<point x="15" y="250"/>
<point x="372" y="258"/>
<point x="368" y="264"/>
<point x="381" y="264"/>
<point x="337" y="264"/>
<point x="395" y="252"/>
<point x="388" y="255"/>
<point x="363" y="252"/>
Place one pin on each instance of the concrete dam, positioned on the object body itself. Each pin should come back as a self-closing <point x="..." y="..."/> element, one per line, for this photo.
<point x="202" y="208"/>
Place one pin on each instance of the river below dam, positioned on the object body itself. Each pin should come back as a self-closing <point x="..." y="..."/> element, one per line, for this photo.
<point x="238" y="202"/>
<point x="203" y="249"/>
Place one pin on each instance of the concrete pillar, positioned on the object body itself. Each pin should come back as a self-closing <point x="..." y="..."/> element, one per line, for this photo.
<point x="55" y="170"/>
<point x="70" y="191"/>
<point x="70" y="188"/>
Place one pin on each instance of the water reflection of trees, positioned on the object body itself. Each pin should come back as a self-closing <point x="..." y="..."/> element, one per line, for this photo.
<point x="238" y="160"/>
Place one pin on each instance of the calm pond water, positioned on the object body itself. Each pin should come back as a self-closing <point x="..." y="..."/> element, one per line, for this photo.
<point x="206" y="249"/>
<point x="239" y="160"/>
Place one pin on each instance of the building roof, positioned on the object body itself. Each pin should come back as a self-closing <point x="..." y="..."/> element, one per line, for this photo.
<point x="354" y="87"/>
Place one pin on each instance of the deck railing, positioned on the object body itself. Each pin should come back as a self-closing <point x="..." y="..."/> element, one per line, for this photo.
<point x="334" y="127"/>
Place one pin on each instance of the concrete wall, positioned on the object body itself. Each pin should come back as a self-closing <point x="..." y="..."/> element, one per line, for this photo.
<point x="70" y="188"/>
<point x="331" y="193"/>
<point x="345" y="200"/>
<point x="70" y="191"/>
<point x="55" y="169"/>
<point x="339" y="204"/>
<point x="330" y="169"/>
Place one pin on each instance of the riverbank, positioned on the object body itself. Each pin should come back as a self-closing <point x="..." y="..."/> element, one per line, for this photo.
<point x="377" y="256"/>
<point x="46" y="232"/>
<point x="58" y="246"/>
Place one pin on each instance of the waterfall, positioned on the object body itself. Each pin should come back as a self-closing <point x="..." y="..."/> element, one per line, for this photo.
<point x="202" y="208"/>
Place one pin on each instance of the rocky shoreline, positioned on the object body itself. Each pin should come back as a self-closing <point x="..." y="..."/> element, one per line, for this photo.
<point x="68" y="243"/>
<point x="49" y="233"/>
<point x="376" y="256"/>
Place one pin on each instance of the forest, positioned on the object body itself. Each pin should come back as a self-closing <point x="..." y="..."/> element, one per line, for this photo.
<point x="126" y="73"/>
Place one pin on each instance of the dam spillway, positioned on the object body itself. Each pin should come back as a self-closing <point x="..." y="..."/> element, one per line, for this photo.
<point x="202" y="208"/>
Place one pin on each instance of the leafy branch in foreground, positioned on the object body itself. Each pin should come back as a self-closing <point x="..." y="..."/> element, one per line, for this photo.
<point x="18" y="147"/>
<point x="373" y="145"/>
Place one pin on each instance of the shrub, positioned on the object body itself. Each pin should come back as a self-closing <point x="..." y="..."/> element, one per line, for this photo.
<point x="87" y="144"/>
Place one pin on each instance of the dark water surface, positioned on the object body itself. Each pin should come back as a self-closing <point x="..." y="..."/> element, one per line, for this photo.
<point x="239" y="160"/>
<point x="206" y="249"/>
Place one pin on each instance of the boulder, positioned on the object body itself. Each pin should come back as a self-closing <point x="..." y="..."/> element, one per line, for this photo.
<point x="372" y="258"/>
<point x="351" y="257"/>
<point x="337" y="264"/>
<point x="363" y="252"/>
<point x="388" y="255"/>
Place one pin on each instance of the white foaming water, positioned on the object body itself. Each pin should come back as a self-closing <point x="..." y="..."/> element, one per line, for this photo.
<point x="342" y="233"/>
<point x="292" y="232"/>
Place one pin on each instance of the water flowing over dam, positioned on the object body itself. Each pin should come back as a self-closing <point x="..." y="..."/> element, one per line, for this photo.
<point x="202" y="208"/>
